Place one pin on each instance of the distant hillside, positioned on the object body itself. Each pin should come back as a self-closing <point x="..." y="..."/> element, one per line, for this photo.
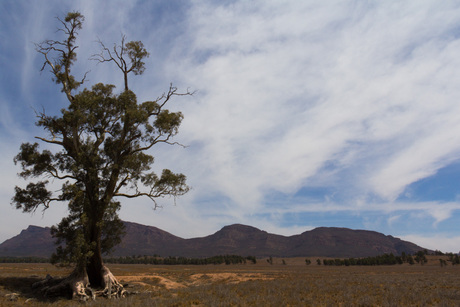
<point x="234" y="239"/>
<point x="33" y="241"/>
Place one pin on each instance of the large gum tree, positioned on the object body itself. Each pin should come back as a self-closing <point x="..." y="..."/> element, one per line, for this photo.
<point x="99" y="148"/>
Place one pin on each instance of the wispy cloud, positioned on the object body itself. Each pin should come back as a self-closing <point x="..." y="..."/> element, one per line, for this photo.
<point x="368" y="93"/>
<point x="356" y="99"/>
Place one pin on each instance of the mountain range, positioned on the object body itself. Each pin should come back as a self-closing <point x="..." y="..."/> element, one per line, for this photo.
<point x="235" y="239"/>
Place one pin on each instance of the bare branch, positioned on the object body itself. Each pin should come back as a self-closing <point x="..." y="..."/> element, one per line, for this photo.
<point x="66" y="53"/>
<point x="54" y="173"/>
<point x="122" y="183"/>
<point x="151" y="197"/>
<point x="127" y="56"/>
<point x="165" y="97"/>
<point x="53" y="141"/>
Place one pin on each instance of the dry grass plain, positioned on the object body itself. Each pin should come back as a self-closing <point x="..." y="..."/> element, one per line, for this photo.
<point x="262" y="284"/>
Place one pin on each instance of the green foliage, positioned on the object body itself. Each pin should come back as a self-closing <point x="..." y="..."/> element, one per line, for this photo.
<point x="389" y="259"/>
<point x="61" y="55"/>
<point x="252" y="259"/>
<point x="24" y="260"/>
<point x="270" y="260"/>
<point x="454" y="259"/>
<point x="385" y="259"/>
<point x="420" y="257"/>
<point x="101" y="150"/>
<point x="410" y="260"/>
<point x="157" y="260"/>
<point x="32" y="196"/>
<point x="136" y="52"/>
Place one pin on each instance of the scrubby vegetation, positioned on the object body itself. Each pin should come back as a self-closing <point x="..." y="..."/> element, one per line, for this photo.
<point x="262" y="284"/>
<point x="455" y="259"/>
<point x="227" y="259"/>
<point x="155" y="260"/>
<point x="387" y="259"/>
<point x="24" y="260"/>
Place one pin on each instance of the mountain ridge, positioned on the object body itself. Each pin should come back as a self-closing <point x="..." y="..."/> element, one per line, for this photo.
<point x="236" y="239"/>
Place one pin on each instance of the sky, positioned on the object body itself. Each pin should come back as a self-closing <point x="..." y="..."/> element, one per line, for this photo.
<point x="305" y="113"/>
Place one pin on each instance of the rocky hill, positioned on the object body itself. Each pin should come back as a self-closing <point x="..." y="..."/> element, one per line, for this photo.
<point x="234" y="239"/>
<point x="33" y="241"/>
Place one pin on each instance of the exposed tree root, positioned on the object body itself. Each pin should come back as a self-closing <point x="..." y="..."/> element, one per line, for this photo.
<point x="76" y="286"/>
<point x="112" y="287"/>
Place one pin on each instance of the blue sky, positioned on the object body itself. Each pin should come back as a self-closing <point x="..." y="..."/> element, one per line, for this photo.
<point x="306" y="113"/>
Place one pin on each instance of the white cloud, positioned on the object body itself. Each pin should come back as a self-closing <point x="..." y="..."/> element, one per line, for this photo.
<point x="357" y="97"/>
<point x="287" y="89"/>
<point x="443" y="242"/>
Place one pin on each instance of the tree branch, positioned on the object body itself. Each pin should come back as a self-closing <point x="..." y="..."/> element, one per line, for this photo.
<point x="53" y="141"/>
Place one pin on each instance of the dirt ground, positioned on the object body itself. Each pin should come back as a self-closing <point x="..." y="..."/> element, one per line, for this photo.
<point x="290" y="283"/>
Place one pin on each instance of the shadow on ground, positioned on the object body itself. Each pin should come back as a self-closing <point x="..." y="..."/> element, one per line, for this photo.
<point x="22" y="287"/>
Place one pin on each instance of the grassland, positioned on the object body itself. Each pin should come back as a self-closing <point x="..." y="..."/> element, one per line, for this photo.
<point x="262" y="284"/>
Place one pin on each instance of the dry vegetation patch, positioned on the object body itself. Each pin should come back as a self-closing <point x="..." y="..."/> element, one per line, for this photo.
<point x="231" y="278"/>
<point x="152" y="280"/>
<point x="256" y="285"/>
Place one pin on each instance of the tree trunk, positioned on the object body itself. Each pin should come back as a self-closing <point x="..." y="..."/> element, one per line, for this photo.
<point x="95" y="269"/>
<point x="76" y="285"/>
<point x="126" y="80"/>
<point x="95" y="264"/>
<point x="99" y="276"/>
<point x="89" y="279"/>
<point x="85" y="282"/>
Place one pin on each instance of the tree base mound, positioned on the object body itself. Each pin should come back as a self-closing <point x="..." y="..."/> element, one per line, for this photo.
<point x="77" y="286"/>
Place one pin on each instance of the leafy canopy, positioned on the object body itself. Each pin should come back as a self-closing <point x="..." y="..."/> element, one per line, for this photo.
<point x="99" y="148"/>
